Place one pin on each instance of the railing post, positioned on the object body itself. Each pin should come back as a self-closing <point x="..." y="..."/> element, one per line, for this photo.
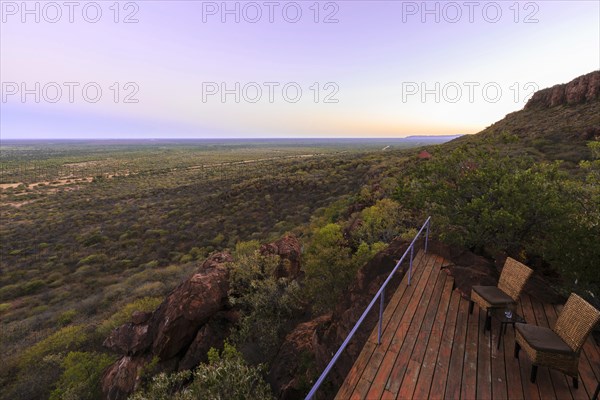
<point x="410" y="265"/>
<point x="380" y="316"/>
<point x="427" y="235"/>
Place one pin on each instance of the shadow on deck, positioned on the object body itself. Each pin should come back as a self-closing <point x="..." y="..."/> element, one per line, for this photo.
<point x="432" y="348"/>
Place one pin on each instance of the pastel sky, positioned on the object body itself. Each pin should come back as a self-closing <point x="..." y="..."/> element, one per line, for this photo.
<point x="188" y="69"/>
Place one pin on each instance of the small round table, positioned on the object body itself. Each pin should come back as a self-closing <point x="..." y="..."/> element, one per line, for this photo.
<point x="500" y="315"/>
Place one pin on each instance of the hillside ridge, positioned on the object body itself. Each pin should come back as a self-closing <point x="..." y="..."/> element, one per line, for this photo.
<point x="583" y="89"/>
<point x="555" y="124"/>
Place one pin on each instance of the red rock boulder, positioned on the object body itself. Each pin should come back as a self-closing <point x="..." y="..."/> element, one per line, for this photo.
<point x="289" y="249"/>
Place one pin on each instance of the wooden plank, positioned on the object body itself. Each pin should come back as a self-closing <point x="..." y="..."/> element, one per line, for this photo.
<point x="355" y="372"/>
<point x="592" y="351"/>
<point x="427" y="281"/>
<point x="373" y="366"/>
<point x="423" y="334"/>
<point x="529" y="390"/>
<point x="361" y="390"/>
<point x="440" y="375"/>
<point x="469" y="372"/>
<point x="587" y="378"/>
<point x="410" y="379"/>
<point x="514" y="385"/>
<point x="433" y="347"/>
<point x="409" y="315"/>
<point x="429" y="325"/>
<point x="499" y="379"/>
<point x="484" y="367"/>
<point x="378" y="385"/>
<point x="406" y="347"/>
<point x="404" y="306"/>
<point x="379" y="375"/>
<point x="457" y="357"/>
<point x="397" y="306"/>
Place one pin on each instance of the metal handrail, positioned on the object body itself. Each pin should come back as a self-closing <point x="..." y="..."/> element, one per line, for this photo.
<point x="380" y="294"/>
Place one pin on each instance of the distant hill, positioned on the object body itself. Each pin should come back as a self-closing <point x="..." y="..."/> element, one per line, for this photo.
<point x="430" y="139"/>
<point x="555" y="124"/>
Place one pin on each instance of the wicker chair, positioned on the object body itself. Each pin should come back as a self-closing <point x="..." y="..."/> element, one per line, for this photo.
<point x="506" y="294"/>
<point x="558" y="348"/>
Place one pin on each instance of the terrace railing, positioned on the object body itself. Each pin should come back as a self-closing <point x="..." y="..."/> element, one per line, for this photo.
<point x="380" y="295"/>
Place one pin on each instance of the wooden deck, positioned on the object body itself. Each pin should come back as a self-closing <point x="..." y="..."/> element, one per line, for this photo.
<point x="432" y="348"/>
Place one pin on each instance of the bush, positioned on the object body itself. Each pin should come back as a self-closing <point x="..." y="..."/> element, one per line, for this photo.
<point x="491" y="203"/>
<point x="124" y="315"/>
<point x="4" y="307"/>
<point x="65" y="339"/>
<point x="381" y="222"/>
<point x="226" y="376"/>
<point x="267" y="303"/>
<point x="80" y="379"/>
<point x="66" y="317"/>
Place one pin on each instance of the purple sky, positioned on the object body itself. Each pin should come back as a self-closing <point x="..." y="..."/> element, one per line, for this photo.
<point x="376" y="69"/>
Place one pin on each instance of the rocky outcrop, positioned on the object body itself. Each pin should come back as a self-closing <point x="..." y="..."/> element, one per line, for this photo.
<point x="194" y="317"/>
<point x="179" y="332"/>
<point x="186" y="309"/>
<point x="585" y="88"/>
<point x="289" y="249"/>
<point x="210" y="335"/>
<point x="121" y="378"/>
<point x="292" y="368"/>
<point x="129" y="339"/>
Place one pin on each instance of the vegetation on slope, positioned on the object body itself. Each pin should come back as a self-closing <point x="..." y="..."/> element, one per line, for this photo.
<point x="86" y="254"/>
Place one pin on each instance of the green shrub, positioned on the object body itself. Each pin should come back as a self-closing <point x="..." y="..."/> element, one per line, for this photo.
<point x="150" y="289"/>
<point x="381" y="222"/>
<point x="93" y="259"/>
<point x="492" y="203"/>
<point x="66" y="317"/>
<point x="266" y="303"/>
<point x="65" y="339"/>
<point x="80" y="379"/>
<point x="10" y="291"/>
<point x="329" y="267"/>
<point x="124" y="315"/>
<point x="225" y="376"/>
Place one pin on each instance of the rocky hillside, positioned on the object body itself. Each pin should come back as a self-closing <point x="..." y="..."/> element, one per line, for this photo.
<point x="194" y="317"/>
<point x="555" y="124"/>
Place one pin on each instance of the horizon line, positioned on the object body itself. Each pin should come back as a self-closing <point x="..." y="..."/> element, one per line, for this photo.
<point x="237" y="138"/>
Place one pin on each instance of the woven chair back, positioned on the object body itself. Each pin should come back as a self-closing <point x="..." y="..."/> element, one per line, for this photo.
<point x="576" y="321"/>
<point x="513" y="278"/>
